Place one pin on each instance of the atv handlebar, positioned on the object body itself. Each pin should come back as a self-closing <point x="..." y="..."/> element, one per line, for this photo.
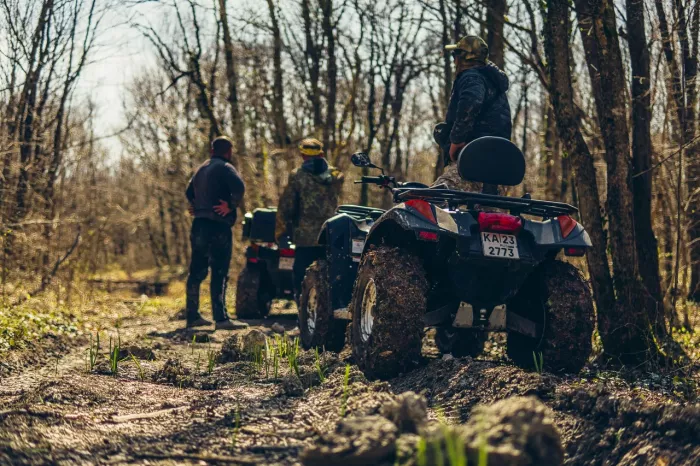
<point x="381" y="180"/>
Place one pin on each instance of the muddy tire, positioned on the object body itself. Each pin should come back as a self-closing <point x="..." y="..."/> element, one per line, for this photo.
<point x="388" y="304"/>
<point x="460" y="342"/>
<point x="252" y="302"/>
<point x="556" y="297"/>
<point x="317" y="326"/>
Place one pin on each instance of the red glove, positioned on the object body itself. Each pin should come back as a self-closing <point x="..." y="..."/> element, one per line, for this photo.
<point x="454" y="150"/>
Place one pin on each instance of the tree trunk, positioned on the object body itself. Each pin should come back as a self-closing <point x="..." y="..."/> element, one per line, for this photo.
<point x="329" y="132"/>
<point x="556" y="39"/>
<point x="495" y="14"/>
<point x="552" y="158"/>
<point x="278" y="83"/>
<point x="237" y="123"/>
<point x="647" y="246"/>
<point x="313" y="61"/>
<point x="627" y="333"/>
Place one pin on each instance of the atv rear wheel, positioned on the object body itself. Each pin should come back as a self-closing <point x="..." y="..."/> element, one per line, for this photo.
<point x="557" y="298"/>
<point x="460" y="342"/>
<point x="253" y="300"/>
<point x="388" y="304"/>
<point x="317" y="326"/>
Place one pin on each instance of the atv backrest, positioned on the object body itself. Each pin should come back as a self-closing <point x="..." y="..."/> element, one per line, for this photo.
<point x="492" y="160"/>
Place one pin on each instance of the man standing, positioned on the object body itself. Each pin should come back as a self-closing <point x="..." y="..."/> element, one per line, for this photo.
<point x="310" y="198"/>
<point x="478" y="106"/>
<point x="214" y="193"/>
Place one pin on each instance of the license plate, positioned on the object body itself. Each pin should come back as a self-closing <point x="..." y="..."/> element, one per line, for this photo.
<point x="357" y="246"/>
<point x="286" y="263"/>
<point x="499" y="245"/>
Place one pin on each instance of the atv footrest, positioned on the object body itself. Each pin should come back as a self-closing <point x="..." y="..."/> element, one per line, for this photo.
<point x="498" y="320"/>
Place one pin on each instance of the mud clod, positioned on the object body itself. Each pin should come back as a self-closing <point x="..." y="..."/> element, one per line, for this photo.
<point x="355" y="441"/>
<point x="173" y="372"/>
<point x="292" y="386"/>
<point x="277" y="328"/>
<point x="102" y="367"/>
<point x="409" y="412"/>
<point x="253" y="341"/>
<point x="518" y="431"/>
<point x="231" y="349"/>
<point x="139" y="352"/>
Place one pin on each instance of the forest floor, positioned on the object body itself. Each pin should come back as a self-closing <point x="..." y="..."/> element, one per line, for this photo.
<point x="189" y="397"/>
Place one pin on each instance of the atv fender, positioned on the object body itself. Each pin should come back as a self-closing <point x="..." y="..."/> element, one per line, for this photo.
<point x="400" y="226"/>
<point x="336" y="235"/>
<point x="548" y="234"/>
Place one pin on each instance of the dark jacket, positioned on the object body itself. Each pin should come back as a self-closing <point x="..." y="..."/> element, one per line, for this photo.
<point x="310" y="198"/>
<point x="215" y="180"/>
<point x="479" y="105"/>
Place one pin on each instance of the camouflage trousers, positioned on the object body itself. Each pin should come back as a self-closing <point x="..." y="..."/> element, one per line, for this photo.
<point x="451" y="178"/>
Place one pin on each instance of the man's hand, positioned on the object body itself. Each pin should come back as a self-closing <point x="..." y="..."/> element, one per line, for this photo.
<point x="454" y="150"/>
<point x="190" y="209"/>
<point x="222" y="208"/>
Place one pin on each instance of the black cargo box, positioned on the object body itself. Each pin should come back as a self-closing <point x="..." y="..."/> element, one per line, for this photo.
<point x="259" y="225"/>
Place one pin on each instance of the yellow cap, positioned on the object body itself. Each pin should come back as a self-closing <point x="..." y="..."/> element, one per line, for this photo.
<point x="311" y="147"/>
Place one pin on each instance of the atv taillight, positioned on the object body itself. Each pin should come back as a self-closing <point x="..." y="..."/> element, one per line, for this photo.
<point x="499" y="223"/>
<point x="286" y="252"/>
<point x="428" y="236"/>
<point x="423" y="208"/>
<point x="252" y="253"/>
<point x="567" y="225"/>
<point x="575" y="252"/>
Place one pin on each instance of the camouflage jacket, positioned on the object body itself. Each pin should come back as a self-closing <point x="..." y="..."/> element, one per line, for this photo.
<point x="479" y="105"/>
<point x="310" y="198"/>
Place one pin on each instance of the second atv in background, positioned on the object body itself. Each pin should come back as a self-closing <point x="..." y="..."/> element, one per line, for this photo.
<point x="267" y="274"/>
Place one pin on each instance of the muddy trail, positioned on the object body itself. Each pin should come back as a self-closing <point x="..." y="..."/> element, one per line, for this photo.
<point x="204" y="397"/>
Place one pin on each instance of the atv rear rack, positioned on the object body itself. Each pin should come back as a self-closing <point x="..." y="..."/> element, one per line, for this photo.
<point x="516" y="205"/>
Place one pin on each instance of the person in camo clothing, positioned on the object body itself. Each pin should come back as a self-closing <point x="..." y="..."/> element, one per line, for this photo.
<point x="309" y="199"/>
<point x="478" y="107"/>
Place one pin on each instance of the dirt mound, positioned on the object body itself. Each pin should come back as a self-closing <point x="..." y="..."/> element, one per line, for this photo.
<point x="409" y="412"/>
<point x="231" y="349"/>
<point x="137" y="351"/>
<point x="175" y="373"/>
<point x="239" y="348"/>
<point x="517" y="431"/>
<point x="355" y="441"/>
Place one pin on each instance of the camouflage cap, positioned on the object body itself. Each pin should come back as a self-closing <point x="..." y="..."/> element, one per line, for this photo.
<point x="474" y="48"/>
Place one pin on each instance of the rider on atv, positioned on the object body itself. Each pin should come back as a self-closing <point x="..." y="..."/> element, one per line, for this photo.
<point x="478" y="107"/>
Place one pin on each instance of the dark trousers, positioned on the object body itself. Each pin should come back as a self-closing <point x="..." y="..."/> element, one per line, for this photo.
<point x="303" y="257"/>
<point x="211" y="247"/>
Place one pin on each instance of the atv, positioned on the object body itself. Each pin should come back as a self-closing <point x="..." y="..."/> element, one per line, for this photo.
<point x="323" y="304"/>
<point x="267" y="274"/>
<point x="327" y="287"/>
<point x="468" y="264"/>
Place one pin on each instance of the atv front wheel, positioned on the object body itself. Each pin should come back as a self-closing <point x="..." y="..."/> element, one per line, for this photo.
<point x="317" y="326"/>
<point x="460" y="342"/>
<point x="253" y="301"/>
<point x="388" y="303"/>
<point x="557" y="298"/>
